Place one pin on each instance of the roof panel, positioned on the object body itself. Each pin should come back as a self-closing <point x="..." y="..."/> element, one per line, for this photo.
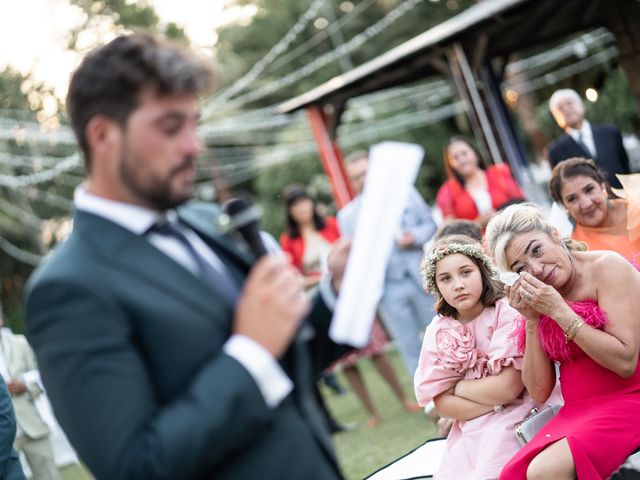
<point x="510" y="25"/>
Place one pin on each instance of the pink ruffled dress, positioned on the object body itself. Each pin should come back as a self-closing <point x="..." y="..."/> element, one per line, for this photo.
<point x="601" y="415"/>
<point x="476" y="449"/>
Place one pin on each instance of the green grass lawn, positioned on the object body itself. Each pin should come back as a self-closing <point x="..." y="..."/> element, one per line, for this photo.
<point x="364" y="450"/>
<point x="75" y="472"/>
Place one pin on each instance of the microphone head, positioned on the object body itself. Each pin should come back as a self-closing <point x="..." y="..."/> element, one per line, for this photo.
<point x="234" y="206"/>
<point x="242" y="217"/>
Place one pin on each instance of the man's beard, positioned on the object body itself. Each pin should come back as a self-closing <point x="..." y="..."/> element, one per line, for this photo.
<point x="158" y="194"/>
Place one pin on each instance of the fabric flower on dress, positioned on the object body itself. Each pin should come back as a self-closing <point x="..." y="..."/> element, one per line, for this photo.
<point x="457" y="352"/>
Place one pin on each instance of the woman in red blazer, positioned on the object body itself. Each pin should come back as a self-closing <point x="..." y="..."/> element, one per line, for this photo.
<point x="309" y="235"/>
<point x="473" y="192"/>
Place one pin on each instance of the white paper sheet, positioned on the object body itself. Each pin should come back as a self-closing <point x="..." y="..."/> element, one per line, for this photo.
<point x="392" y="171"/>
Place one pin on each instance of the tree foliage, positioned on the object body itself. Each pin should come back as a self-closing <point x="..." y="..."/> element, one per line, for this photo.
<point x="241" y="46"/>
<point x="138" y="15"/>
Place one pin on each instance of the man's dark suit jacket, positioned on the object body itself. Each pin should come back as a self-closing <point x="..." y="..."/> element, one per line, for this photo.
<point x="612" y="157"/>
<point x="129" y="345"/>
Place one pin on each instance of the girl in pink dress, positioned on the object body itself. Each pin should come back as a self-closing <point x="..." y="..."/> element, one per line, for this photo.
<point x="579" y="309"/>
<point x="469" y="365"/>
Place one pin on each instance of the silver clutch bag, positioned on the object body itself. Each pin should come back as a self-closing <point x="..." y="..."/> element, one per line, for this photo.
<point x="534" y="422"/>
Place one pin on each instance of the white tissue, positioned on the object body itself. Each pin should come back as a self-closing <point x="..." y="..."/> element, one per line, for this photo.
<point x="509" y="278"/>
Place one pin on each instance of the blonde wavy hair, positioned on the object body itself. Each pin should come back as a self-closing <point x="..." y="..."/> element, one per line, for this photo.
<point x="515" y="220"/>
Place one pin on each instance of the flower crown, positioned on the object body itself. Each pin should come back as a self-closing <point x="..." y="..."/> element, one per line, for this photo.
<point x="428" y="266"/>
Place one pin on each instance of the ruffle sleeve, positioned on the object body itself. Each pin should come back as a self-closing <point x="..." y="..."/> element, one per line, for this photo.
<point x="448" y="355"/>
<point x="503" y="351"/>
<point x="631" y="185"/>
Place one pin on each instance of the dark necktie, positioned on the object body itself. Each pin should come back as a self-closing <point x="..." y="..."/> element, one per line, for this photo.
<point x="583" y="145"/>
<point x="220" y="280"/>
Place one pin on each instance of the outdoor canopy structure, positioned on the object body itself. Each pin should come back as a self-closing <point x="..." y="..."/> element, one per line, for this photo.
<point x="472" y="49"/>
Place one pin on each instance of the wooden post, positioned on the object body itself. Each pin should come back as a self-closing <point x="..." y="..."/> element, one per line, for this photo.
<point x="331" y="157"/>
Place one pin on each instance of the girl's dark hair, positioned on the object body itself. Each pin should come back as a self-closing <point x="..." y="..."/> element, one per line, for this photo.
<point x="492" y="289"/>
<point x="292" y="194"/>
<point x="576" y="167"/>
<point x="450" y="171"/>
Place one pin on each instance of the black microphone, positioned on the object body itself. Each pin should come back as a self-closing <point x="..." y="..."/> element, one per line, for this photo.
<point x="244" y="218"/>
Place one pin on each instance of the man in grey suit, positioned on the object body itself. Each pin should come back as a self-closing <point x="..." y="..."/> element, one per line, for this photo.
<point x="165" y="353"/>
<point x="405" y="309"/>
<point x="602" y="143"/>
<point x="16" y="359"/>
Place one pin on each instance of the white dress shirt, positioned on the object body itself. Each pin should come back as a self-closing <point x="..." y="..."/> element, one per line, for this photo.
<point x="587" y="137"/>
<point x="482" y="199"/>
<point x="273" y="382"/>
<point x="4" y="369"/>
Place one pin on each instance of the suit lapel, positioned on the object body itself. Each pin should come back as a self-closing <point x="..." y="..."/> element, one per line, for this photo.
<point x="221" y="245"/>
<point x="578" y="150"/>
<point x="125" y="251"/>
<point x="599" y="139"/>
<point x="296" y="362"/>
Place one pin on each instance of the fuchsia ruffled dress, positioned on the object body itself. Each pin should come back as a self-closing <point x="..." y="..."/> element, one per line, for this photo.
<point x="601" y="415"/>
<point x="476" y="449"/>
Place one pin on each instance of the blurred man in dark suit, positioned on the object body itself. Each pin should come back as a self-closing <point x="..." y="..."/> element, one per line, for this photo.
<point x="165" y="353"/>
<point x="602" y="143"/>
<point x="10" y="468"/>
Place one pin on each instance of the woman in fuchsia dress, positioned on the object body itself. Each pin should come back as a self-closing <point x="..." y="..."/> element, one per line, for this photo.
<point x="579" y="309"/>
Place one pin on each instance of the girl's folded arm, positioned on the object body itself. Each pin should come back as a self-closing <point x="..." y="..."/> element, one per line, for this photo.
<point x="449" y="405"/>
<point x="500" y="389"/>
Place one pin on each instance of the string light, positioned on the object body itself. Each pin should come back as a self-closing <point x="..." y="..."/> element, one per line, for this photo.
<point x="565" y="72"/>
<point x="325" y="59"/>
<point x="597" y="38"/>
<point x="18" y="253"/>
<point x="592" y="95"/>
<point x="244" y="163"/>
<point x="322" y="35"/>
<point x="276" y="50"/>
<point x="26" y="218"/>
<point x="21" y="181"/>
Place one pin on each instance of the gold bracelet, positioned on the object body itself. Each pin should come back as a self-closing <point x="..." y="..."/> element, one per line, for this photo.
<point x="567" y="332"/>
<point x="571" y="325"/>
<point x="575" y="331"/>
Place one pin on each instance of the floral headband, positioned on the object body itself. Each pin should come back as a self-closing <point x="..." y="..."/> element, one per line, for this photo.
<point x="428" y="266"/>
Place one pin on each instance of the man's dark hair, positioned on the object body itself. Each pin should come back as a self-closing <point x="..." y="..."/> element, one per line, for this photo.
<point x="110" y="79"/>
<point x="460" y="227"/>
